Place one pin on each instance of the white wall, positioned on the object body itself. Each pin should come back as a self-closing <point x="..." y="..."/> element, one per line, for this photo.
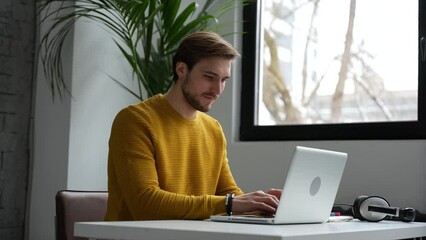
<point x="96" y="101"/>
<point x="71" y="137"/>
<point x="70" y="140"/>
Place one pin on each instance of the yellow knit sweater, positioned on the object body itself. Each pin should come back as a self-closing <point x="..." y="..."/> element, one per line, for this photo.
<point x="163" y="166"/>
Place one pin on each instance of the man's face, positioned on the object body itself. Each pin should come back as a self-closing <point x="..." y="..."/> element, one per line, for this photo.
<point x="205" y="82"/>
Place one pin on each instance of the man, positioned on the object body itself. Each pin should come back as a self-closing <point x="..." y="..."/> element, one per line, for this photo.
<point x="167" y="158"/>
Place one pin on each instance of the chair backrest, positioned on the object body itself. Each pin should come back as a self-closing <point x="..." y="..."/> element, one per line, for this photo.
<point x="78" y="206"/>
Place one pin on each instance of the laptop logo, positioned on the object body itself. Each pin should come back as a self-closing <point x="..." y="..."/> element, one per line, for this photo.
<point x="315" y="186"/>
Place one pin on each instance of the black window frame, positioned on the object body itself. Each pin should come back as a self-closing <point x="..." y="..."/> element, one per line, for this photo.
<point x="249" y="131"/>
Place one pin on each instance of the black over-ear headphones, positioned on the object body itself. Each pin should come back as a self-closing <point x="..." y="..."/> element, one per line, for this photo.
<point x="375" y="209"/>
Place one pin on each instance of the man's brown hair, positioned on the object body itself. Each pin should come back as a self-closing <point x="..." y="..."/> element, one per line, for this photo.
<point x="199" y="45"/>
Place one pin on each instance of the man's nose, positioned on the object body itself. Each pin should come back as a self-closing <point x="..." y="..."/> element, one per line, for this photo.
<point x="218" y="87"/>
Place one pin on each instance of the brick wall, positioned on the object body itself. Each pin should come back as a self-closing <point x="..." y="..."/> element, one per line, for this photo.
<point x="17" y="26"/>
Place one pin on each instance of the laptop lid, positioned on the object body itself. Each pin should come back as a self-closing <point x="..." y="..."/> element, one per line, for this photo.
<point x="309" y="190"/>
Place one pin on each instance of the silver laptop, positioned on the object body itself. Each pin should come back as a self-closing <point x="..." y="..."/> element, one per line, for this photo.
<point x="309" y="190"/>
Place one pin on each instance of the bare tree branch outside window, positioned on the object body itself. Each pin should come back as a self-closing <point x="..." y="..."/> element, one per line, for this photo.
<point x="338" y="61"/>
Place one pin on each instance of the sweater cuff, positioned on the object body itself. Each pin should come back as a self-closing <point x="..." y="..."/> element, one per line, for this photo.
<point x="218" y="204"/>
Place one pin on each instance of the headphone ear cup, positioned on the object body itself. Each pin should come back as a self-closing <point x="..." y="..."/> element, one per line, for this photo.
<point x="372" y="216"/>
<point x="356" y="207"/>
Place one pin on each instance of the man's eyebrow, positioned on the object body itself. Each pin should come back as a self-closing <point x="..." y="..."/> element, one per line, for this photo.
<point x="215" y="74"/>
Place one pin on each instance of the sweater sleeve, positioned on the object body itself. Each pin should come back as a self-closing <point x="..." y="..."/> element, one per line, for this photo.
<point x="226" y="183"/>
<point x="134" y="181"/>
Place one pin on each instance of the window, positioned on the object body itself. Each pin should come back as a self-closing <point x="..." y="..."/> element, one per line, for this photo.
<point x="333" y="70"/>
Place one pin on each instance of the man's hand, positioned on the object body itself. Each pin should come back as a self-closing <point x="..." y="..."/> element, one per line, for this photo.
<point x="259" y="201"/>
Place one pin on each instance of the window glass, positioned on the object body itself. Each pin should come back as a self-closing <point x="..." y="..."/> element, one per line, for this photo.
<point x="338" y="61"/>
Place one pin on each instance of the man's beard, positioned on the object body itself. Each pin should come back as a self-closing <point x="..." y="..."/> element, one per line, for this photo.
<point x="191" y="98"/>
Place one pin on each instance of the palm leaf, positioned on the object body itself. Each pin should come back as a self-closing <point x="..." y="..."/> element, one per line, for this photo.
<point x="154" y="26"/>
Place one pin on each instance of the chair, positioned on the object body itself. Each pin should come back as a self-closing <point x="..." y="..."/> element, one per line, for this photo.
<point x="78" y="206"/>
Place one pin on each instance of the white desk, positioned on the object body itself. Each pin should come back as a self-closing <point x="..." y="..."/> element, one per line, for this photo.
<point x="207" y="230"/>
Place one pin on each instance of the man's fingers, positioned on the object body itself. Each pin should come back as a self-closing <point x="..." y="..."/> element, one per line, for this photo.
<point x="276" y="192"/>
<point x="256" y="201"/>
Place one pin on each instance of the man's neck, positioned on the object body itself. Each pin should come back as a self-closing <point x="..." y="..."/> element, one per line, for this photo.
<point x="176" y="99"/>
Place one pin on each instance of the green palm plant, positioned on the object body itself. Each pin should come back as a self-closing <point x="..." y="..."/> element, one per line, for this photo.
<point x="147" y="32"/>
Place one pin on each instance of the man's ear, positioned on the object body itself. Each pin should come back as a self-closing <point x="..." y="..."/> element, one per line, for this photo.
<point x="181" y="69"/>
